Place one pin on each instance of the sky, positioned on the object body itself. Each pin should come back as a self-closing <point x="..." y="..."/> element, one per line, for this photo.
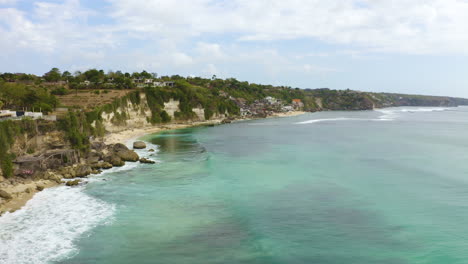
<point x="407" y="46"/>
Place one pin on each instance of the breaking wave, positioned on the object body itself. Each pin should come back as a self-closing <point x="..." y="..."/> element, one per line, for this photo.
<point x="388" y="114"/>
<point x="47" y="227"/>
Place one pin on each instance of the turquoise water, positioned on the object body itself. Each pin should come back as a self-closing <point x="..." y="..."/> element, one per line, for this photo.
<point x="387" y="186"/>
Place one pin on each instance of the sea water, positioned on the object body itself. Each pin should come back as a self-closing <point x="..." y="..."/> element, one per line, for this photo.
<point x="384" y="186"/>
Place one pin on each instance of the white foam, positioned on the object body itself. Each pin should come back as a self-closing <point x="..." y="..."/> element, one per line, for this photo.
<point x="339" y="119"/>
<point x="389" y="114"/>
<point x="48" y="226"/>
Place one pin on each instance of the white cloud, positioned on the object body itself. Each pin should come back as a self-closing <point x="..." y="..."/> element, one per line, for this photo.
<point x="8" y="2"/>
<point x="418" y="26"/>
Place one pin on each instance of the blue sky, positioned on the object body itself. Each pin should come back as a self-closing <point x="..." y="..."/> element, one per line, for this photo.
<point x="408" y="46"/>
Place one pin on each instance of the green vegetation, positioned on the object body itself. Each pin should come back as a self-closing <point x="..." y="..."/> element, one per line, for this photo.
<point x="9" y="130"/>
<point x="19" y="96"/>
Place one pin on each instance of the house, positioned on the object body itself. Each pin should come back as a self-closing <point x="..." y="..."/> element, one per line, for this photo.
<point x="169" y="84"/>
<point x="297" y="103"/>
<point x="148" y="81"/>
<point x="162" y="84"/>
<point x="7" y="114"/>
<point x="271" y="100"/>
<point x="87" y="83"/>
<point x="287" y="108"/>
<point x="33" y="115"/>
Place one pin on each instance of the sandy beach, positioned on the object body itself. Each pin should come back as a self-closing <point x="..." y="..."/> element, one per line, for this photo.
<point x="129" y="134"/>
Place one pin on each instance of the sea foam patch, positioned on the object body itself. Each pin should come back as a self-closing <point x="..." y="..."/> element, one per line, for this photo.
<point x="47" y="228"/>
<point x="388" y="114"/>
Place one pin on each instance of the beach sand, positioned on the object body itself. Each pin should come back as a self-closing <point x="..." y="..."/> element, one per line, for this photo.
<point x="129" y="134"/>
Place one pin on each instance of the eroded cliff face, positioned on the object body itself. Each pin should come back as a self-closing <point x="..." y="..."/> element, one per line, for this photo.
<point x="25" y="144"/>
<point x="138" y="116"/>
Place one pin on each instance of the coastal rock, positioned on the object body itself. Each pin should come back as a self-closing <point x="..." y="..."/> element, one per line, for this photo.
<point x="83" y="171"/>
<point x="39" y="187"/>
<point x="101" y="165"/>
<point x="226" y="121"/>
<point x="128" y="155"/>
<point x="73" y="183"/>
<point x="118" y="147"/>
<point x="151" y="150"/>
<point x="114" y="160"/>
<point x="5" y="195"/>
<point x="148" y="161"/>
<point x="98" y="145"/>
<point x="139" y="145"/>
<point x="49" y="175"/>
<point x="94" y="157"/>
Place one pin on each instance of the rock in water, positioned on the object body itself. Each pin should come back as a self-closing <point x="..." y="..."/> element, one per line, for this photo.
<point x="151" y="150"/>
<point x="39" y="187"/>
<point x="114" y="160"/>
<point x="139" y="145"/>
<point x="148" y="161"/>
<point x="128" y="155"/>
<point x="5" y="195"/>
<point x="101" y="165"/>
<point x="73" y="183"/>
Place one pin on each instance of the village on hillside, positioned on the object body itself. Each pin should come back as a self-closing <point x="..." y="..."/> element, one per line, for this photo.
<point x="96" y="88"/>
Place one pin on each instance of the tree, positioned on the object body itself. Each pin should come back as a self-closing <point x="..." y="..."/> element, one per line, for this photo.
<point x="66" y="75"/>
<point x="53" y="75"/>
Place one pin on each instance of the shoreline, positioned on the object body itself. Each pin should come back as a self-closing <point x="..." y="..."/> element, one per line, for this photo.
<point x="126" y="135"/>
<point x="23" y="190"/>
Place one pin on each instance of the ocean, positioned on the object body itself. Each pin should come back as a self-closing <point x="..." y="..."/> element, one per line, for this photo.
<point x="386" y="186"/>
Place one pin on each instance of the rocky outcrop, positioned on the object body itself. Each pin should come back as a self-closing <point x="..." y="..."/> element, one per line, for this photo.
<point x="52" y="176"/>
<point x="139" y="145"/>
<point x="128" y="155"/>
<point x="101" y="165"/>
<point x="73" y="182"/>
<point x="83" y="171"/>
<point x="147" y="161"/>
<point x="114" y="160"/>
<point x="5" y="195"/>
<point x="124" y="153"/>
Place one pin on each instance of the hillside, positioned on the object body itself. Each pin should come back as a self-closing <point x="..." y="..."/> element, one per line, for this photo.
<point x="92" y="104"/>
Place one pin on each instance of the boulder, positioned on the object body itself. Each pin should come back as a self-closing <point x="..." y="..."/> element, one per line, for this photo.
<point x="5" y="195"/>
<point x="93" y="157"/>
<point x="39" y="187"/>
<point x="148" y="161"/>
<point x="139" y="145"/>
<point x="73" y="183"/>
<point x="101" y="165"/>
<point x="55" y="177"/>
<point x="114" y="160"/>
<point x="128" y="155"/>
<point x="151" y="150"/>
<point x="98" y="146"/>
<point x="83" y="171"/>
<point x="118" y="147"/>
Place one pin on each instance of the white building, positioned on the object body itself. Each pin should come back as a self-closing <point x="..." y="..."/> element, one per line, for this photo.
<point x="7" y="114"/>
<point x="33" y="115"/>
